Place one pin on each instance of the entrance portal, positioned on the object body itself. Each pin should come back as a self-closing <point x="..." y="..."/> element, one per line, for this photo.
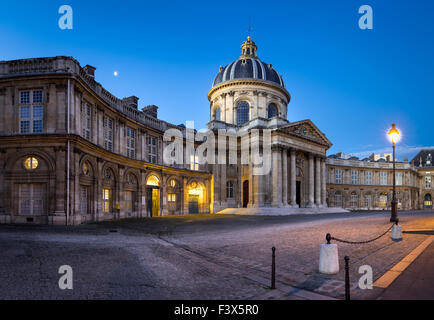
<point x="245" y="193"/>
<point x="193" y="204"/>
<point x="153" y="205"/>
<point x="298" y="192"/>
<point x="427" y="202"/>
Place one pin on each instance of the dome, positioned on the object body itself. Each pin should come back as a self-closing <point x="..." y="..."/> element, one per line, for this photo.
<point x="248" y="66"/>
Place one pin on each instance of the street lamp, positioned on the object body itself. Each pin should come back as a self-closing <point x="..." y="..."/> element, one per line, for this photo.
<point x="394" y="137"/>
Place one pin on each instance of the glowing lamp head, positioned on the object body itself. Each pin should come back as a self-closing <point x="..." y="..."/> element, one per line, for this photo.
<point x="394" y="134"/>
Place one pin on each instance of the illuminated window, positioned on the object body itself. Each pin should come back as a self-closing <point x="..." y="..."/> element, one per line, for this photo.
<point x="172" y="197"/>
<point x="106" y="200"/>
<point x="31" y="111"/>
<point x="31" y="163"/>
<point x="172" y="183"/>
<point x="108" y="133"/>
<point x="194" y="162"/>
<point x="338" y="176"/>
<point x="427" y="201"/>
<point x="153" y="181"/>
<point x="131" y="143"/>
<point x="86" y="121"/>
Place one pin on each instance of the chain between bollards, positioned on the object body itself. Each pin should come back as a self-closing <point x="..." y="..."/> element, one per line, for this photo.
<point x="273" y="269"/>
<point x="329" y="237"/>
<point x="347" y="279"/>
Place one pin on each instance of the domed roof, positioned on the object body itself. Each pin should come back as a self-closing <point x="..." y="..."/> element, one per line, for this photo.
<point x="248" y="66"/>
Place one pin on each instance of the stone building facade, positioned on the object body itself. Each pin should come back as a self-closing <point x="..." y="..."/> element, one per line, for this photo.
<point x="423" y="162"/>
<point x="367" y="185"/>
<point x="249" y="98"/>
<point x="71" y="152"/>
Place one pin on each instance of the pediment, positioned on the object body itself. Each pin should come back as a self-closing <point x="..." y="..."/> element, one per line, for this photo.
<point x="305" y="129"/>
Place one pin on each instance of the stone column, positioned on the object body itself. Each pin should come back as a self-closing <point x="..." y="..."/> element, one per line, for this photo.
<point x="285" y="177"/>
<point x="318" y="182"/>
<point x="223" y="203"/>
<point x="293" y="179"/>
<point x="277" y="177"/>
<point x="324" y="183"/>
<point x="311" y="181"/>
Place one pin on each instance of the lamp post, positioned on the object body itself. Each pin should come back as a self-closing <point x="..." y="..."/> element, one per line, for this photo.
<point x="394" y="136"/>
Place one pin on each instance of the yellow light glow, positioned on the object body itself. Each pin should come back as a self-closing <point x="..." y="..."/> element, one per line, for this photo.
<point x="394" y="134"/>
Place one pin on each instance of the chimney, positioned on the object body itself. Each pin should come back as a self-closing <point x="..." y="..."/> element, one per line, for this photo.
<point x="151" y="111"/>
<point x="406" y="160"/>
<point x="388" y="158"/>
<point x="90" y="71"/>
<point x="132" y="101"/>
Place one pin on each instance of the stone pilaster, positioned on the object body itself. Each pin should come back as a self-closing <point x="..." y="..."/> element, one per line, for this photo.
<point x="293" y="179"/>
<point x="318" y="181"/>
<point x="277" y="177"/>
<point x="324" y="184"/>
<point x="311" y="181"/>
<point x="285" y="177"/>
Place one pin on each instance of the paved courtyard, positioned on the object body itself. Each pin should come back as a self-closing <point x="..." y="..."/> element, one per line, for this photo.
<point x="200" y="257"/>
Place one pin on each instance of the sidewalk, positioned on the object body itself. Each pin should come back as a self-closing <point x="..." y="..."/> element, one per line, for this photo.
<point x="415" y="283"/>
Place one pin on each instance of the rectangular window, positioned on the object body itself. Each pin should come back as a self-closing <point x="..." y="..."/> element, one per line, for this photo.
<point x="194" y="162"/>
<point x="354" y="200"/>
<point x="368" y="177"/>
<point x="108" y="133"/>
<point x="229" y="190"/>
<point x="383" y="178"/>
<point x="398" y="178"/>
<point x="338" y="176"/>
<point x="131" y="143"/>
<point x="428" y="182"/>
<point x="354" y="177"/>
<point x="86" y="121"/>
<point x="106" y="200"/>
<point x="152" y="149"/>
<point x="129" y="198"/>
<point x="31" y="199"/>
<point x="31" y="111"/>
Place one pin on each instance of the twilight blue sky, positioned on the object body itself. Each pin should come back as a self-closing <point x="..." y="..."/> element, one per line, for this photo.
<point x="353" y="84"/>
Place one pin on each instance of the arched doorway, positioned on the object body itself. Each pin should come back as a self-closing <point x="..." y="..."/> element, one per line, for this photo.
<point x="245" y="193"/>
<point x="153" y="196"/>
<point x="427" y="201"/>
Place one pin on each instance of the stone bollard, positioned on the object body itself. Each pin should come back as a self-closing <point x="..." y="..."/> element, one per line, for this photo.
<point x="396" y="232"/>
<point x="328" y="258"/>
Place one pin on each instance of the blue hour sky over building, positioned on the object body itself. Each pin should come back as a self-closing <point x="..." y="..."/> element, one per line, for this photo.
<point x="352" y="83"/>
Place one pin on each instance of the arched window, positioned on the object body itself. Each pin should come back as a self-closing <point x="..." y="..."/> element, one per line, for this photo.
<point x="217" y="114"/>
<point x="427" y="201"/>
<point x="354" y="199"/>
<point x="272" y="110"/>
<point x="242" y="112"/>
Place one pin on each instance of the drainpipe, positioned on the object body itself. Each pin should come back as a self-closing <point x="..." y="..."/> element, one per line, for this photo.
<point x="67" y="152"/>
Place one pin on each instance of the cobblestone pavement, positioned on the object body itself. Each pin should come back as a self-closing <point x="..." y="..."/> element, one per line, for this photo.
<point x="198" y="257"/>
